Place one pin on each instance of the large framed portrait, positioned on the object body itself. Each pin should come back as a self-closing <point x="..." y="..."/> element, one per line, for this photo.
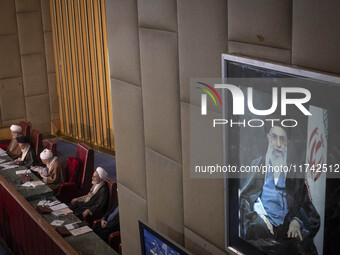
<point x="283" y="134"/>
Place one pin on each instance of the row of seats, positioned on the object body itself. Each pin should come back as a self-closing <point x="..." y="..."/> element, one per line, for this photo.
<point x="79" y="170"/>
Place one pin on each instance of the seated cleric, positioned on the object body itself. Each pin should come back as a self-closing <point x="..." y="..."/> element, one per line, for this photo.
<point x="55" y="174"/>
<point x="96" y="200"/>
<point x="27" y="156"/>
<point x="13" y="149"/>
<point x="275" y="205"/>
<point x="108" y="224"/>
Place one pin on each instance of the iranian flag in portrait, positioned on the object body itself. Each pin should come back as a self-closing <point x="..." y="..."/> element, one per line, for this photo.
<point x="316" y="156"/>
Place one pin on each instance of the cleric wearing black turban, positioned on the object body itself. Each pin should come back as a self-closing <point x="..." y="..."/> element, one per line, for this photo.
<point x="27" y="156"/>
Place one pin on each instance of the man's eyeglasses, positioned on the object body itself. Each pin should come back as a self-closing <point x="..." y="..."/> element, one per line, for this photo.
<point x="282" y="139"/>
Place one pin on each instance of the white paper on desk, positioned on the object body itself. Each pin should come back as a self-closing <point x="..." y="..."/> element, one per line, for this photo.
<point x="71" y="226"/>
<point x="2" y="152"/>
<point x="33" y="184"/>
<point x="36" y="168"/>
<point x="52" y="203"/>
<point x="39" y="169"/>
<point x="80" y="231"/>
<point x="57" y="222"/>
<point x="3" y="160"/>
<point x="37" y="183"/>
<point x="8" y="165"/>
<point x="62" y="212"/>
<point x="27" y="184"/>
<point x="23" y="171"/>
<point x="43" y="202"/>
<point x="58" y="207"/>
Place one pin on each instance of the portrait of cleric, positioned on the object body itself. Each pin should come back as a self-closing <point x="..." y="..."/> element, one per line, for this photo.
<point x="276" y="213"/>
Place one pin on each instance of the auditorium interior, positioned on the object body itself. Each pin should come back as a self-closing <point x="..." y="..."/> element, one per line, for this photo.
<point x="113" y="79"/>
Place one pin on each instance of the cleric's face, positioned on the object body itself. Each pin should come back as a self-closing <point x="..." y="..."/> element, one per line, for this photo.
<point x="14" y="134"/>
<point x="23" y="146"/>
<point x="277" y="137"/>
<point x="95" y="178"/>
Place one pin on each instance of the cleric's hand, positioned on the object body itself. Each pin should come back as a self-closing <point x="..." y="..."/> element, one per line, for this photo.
<point x="86" y="212"/>
<point x="294" y="229"/>
<point x="103" y="223"/>
<point x="269" y="225"/>
<point x="74" y="200"/>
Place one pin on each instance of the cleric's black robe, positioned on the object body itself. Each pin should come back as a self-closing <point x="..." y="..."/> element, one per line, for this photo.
<point x="30" y="159"/>
<point x="95" y="202"/>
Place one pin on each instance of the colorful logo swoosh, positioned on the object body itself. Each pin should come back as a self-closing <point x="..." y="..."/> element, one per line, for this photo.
<point x="209" y="93"/>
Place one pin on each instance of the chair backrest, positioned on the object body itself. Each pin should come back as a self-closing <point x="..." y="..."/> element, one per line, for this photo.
<point x="86" y="155"/>
<point x="26" y="128"/>
<point x="113" y="195"/>
<point x="36" y="141"/>
<point x="52" y="146"/>
<point x="73" y="170"/>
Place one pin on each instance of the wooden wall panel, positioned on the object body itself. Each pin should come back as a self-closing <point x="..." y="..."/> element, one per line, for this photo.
<point x="83" y="82"/>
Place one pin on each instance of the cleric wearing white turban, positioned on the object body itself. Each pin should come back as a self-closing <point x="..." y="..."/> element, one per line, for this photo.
<point x="96" y="201"/>
<point x="13" y="149"/>
<point x="54" y="174"/>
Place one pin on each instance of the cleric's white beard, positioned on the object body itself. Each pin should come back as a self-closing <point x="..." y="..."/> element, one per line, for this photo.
<point x="94" y="182"/>
<point x="275" y="158"/>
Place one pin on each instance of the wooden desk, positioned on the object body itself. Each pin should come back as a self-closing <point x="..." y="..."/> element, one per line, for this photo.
<point x="27" y="232"/>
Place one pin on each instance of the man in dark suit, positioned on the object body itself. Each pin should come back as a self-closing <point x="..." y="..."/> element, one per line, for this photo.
<point x="108" y="224"/>
<point x="276" y="205"/>
<point x="96" y="200"/>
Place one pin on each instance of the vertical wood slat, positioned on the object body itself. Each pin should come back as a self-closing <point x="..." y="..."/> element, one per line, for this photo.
<point x="92" y="40"/>
<point x="75" y="74"/>
<point x="109" y="127"/>
<point x="97" y="50"/>
<point x="82" y="78"/>
<point x="88" y="87"/>
<point x="61" y="66"/>
<point x="80" y="49"/>
<point x="56" y="47"/>
<point x="70" y="71"/>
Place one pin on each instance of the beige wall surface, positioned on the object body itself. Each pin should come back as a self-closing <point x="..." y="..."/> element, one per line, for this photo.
<point x="155" y="47"/>
<point x="27" y="71"/>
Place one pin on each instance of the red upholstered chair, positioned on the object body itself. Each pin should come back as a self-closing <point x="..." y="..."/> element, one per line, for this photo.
<point x="115" y="242"/>
<point x="36" y="142"/>
<point x="79" y="181"/>
<point x="26" y="128"/>
<point x="112" y="192"/>
<point x="52" y="146"/>
<point x="4" y="144"/>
